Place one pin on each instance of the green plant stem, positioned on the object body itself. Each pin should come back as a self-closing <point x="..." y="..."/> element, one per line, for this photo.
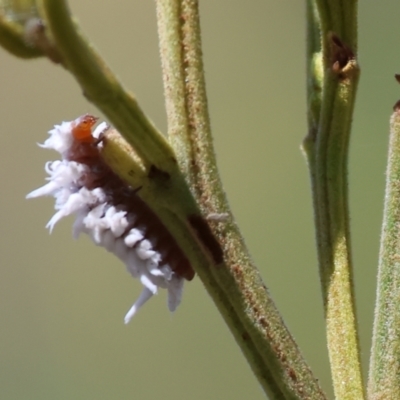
<point x="169" y="27"/>
<point x="384" y="373"/>
<point x="335" y="76"/>
<point x="12" y="38"/>
<point x="339" y="16"/>
<point x="249" y="311"/>
<point x="103" y="89"/>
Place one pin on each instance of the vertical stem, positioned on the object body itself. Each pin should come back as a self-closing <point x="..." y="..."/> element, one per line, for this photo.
<point x="384" y="373"/>
<point x="252" y="316"/>
<point x="174" y="74"/>
<point x="333" y="69"/>
<point x="186" y="100"/>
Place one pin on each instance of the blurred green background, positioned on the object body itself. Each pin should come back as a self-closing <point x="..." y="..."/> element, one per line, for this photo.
<point x="62" y="302"/>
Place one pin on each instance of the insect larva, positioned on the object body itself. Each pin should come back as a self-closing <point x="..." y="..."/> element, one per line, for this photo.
<point x="111" y="212"/>
<point x="121" y="195"/>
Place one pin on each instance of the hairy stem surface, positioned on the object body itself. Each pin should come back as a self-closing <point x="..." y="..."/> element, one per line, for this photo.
<point x="251" y="315"/>
<point x="384" y="373"/>
<point x="332" y="81"/>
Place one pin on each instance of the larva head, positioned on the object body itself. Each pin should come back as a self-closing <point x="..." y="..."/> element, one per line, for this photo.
<point x="82" y="128"/>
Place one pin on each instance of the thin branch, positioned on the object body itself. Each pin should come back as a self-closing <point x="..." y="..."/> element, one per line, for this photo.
<point x="384" y="373"/>
<point x="326" y="148"/>
<point x="174" y="75"/>
<point x="13" y="39"/>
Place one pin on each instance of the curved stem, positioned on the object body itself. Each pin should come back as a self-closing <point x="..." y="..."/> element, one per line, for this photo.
<point x="102" y="87"/>
<point x="384" y="373"/>
<point x="12" y="38"/>
<point x="326" y="148"/>
<point x="250" y="311"/>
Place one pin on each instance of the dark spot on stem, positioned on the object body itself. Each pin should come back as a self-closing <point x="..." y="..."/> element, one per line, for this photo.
<point x="203" y="231"/>
<point x="245" y="337"/>
<point x="158" y="174"/>
<point x="292" y="374"/>
<point x="341" y="55"/>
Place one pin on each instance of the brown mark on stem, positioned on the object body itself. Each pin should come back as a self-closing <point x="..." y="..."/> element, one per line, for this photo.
<point x="206" y="237"/>
<point x="342" y="57"/>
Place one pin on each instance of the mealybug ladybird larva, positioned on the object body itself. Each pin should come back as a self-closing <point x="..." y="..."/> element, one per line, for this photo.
<point x="120" y="194"/>
<point x="111" y="212"/>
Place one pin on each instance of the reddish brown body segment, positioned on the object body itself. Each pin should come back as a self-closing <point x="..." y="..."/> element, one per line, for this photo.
<point x="86" y="151"/>
<point x="82" y="130"/>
